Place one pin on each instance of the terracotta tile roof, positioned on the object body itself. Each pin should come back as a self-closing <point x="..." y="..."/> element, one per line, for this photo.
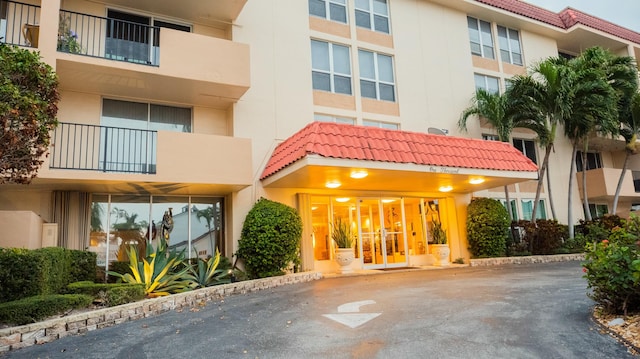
<point x="382" y="145"/>
<point x="565" y="19"/>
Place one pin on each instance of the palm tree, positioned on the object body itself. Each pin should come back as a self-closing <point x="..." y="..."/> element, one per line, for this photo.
<point x="630" y="127"/>
<point x="496" y="110"/>
<point x="604" y="90"/>
<point x="541" y="100"/>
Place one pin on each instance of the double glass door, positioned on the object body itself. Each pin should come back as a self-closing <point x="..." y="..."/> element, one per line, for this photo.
<point x="382" y="233"/>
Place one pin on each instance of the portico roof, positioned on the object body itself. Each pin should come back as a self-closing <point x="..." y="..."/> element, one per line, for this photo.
<point x="394" y="160"/>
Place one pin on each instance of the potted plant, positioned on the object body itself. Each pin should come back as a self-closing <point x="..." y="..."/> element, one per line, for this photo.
<point x="342" y="236"/>
<point x="439" y="249"/>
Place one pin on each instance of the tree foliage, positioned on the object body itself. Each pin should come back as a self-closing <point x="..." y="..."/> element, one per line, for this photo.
<point x="270" y="238"/>
<point x="28" y="107"/>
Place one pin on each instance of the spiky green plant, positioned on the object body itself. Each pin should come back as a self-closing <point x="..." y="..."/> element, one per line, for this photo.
<point x="158" y="271"/>
<point x="206" y="273"/>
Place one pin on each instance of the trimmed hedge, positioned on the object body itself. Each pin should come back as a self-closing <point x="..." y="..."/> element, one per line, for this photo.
<point x="26" y="273"/>
<point x="487" y="227"/>
<point x="113" y="293"/>
<point x="33" y="309"/>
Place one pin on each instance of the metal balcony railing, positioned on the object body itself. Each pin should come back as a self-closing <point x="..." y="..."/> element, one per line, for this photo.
<point x="19" y="23"/>
<point x="108" y="38"/>
<point x="101" y="148"/>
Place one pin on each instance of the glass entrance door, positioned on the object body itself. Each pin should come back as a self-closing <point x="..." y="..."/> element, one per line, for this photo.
<point x="382" y="233"/>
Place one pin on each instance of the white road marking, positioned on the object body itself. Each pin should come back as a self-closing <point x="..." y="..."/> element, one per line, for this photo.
<point x="350" y="315"/>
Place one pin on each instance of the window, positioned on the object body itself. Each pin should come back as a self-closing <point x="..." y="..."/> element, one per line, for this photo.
<point x="487" y="83"/>
<point x="527" y="147"/>
<point x="488" y="137"/>
<point x="598" y="210"/>
<point x="335" y="10"/>
<point x="514" y="208"/>
<point x="335" y="119"/>
<point x="145" y="116"/>
<point x="373" y="15"/>
<point x="593" y="161"/>
<point x="331" y="67"/>
<point x="509" y="41"/>
<point x="386" y="125"/>
<point x="527" y="209"/>
<point x="480" y="38"/>
<point x="376" y="76"/>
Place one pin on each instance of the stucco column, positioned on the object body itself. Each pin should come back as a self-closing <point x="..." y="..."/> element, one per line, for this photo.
<point x="48" y="40"/>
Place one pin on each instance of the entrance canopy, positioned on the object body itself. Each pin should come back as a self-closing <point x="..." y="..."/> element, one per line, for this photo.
<point x="331" y="155"/>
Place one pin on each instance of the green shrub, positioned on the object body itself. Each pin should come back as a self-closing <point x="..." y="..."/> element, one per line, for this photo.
<point x="545" y="237"/>
<point x="83" y="266"/>
<point x="33" y="309"/>
<point x="25" y="273"/>
<point x="487" y="227"/>
<point x="111" y="293"/>
<point x="270" y="239"/>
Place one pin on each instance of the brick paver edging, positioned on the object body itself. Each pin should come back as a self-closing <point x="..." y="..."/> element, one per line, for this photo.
<point x="50" y="330"/>
<point x="526" y="259"/>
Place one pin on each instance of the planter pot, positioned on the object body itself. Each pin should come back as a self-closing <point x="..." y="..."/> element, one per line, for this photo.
<point x="441" y="254"/>
<point x="344" y="257"/>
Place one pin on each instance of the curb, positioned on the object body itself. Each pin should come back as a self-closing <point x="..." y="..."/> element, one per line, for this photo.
<point x="634" y="350"/>
<point x="23" y="336"/>
<point x="480" y="262"/>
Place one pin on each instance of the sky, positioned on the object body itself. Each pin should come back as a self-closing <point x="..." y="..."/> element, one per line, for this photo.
<point x="622" y="12"/>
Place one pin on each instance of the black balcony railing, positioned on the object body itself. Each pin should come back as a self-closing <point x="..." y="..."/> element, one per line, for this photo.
<point x="19" y="23"/>
<point x="108" y="38"/>
<point x="102" y="148"/>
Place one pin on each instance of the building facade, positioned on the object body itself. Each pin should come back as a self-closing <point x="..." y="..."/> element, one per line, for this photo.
<point x="340" y="108"/>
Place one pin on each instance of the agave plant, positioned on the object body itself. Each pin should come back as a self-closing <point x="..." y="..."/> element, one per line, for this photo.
<point x="158" y="271"/>
<point x="206" y="273"/>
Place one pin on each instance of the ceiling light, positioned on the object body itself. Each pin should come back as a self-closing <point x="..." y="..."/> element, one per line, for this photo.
<point x="333" y="184"/>
<point x="359" y="174"/>
<point x="476" y="180"/>
<point x="342" y="199"/>
<point x="388" y="200"/>
<point x="445" y="188"/>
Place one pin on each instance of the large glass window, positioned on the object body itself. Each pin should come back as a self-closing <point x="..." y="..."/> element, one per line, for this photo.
<point x="335" y="10"/>
<point x="480" y="38"/>
<point x="373" y="15"/>
<point x="514" y="208"/>
<point x="376" y="76"/>
<point x="598" y="210"/>
<point x="509" y="41"/>
<point x="527" y="147"/>
<point x="145" y="116"/>
<point x="488" y="83"/>
<point x="196" y="225"/>
<point x="331" y="65"/>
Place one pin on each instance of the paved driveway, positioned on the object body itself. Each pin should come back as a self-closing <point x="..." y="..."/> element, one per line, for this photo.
<point x="525" y="311"/>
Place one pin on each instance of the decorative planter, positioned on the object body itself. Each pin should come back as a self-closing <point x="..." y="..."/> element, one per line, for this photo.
<point x="441" y="254"/>
<point x="344" y="257"/>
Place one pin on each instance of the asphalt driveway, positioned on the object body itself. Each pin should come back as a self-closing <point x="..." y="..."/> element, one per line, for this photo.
<point x="515" y="311"/>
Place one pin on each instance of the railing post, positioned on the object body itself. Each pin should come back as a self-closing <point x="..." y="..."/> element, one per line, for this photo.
<point x="106" y="141"/>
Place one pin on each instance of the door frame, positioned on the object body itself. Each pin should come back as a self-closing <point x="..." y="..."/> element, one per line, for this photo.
<point x="383" y="234"/>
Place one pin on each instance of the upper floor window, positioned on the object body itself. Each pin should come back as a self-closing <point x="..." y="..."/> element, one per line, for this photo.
<point x="381" y="124"/>
<point x="593" y="161"/>
<point x="509" y="41"/>
<point x="373" y="15"/>
<point x="145" y="116"/>
<point x="488" y="137"/>
<point x="376" y="76"/>
<point x="488" y="83"/>
<point x="336" y="119"/>
<point x="480" y="38"/>
<point x="527" y="147"/>
<point x="335" y="10"/>
<point x="331" y="67"/>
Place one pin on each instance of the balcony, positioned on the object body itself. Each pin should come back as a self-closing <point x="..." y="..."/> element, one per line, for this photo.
<point x="18" y="23"/>
<point x="89" y="157"/>
<point x="123" y="58"/>
<point x="602" y="183"/>
<point x="116" y="57"/>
